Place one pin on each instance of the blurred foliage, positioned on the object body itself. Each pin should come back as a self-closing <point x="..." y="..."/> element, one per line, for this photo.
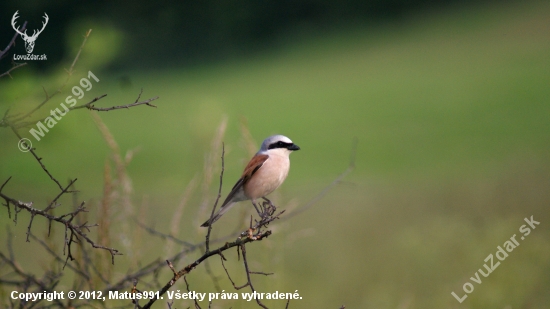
<point x="167" y="32"/>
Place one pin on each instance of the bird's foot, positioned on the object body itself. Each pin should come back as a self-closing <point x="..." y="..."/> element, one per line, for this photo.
<point x="269" y="208"/>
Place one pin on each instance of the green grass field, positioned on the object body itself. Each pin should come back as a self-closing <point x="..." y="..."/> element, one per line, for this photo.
<point x="451" y="112"/>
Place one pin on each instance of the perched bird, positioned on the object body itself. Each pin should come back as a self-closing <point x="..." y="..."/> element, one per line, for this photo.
<point x="265" y="172"/>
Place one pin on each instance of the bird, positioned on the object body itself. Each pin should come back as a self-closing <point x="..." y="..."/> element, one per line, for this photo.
<point x="265" y="172"/>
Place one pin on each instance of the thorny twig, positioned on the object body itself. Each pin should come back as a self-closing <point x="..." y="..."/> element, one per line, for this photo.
<point x="187" y="269"/>
<point x="106" y="109"/>
<point x="59" y="259"/>
<point x="75" y="231"/>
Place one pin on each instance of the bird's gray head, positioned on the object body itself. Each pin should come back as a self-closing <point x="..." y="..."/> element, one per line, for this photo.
<point x="278" y="142"/>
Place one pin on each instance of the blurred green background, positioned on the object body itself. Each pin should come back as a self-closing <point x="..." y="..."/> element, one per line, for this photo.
<point x="450" y="105"/>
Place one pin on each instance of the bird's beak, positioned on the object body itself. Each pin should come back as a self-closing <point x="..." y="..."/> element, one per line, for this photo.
<point x="293" y="147"/>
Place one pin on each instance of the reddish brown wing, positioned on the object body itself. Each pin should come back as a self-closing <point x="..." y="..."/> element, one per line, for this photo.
<point x="255" y="163"/>
<point x="253" y="166"/>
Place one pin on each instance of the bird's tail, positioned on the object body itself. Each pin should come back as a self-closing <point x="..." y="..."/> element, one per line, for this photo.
<point x="218" y="215"/>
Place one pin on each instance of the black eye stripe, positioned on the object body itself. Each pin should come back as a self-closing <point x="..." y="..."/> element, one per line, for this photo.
<point x="279" y="144"/>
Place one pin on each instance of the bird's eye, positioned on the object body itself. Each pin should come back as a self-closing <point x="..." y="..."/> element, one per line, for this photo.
<point x="279" y="144"/>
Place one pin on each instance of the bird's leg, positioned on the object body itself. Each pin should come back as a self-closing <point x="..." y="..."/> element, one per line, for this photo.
<point x="255" y="206"/>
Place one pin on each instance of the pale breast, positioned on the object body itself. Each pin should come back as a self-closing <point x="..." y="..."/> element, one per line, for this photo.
<point x="269" y="177"/>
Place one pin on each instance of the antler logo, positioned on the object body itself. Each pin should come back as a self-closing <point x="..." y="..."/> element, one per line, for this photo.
<point x="29" y="40"/>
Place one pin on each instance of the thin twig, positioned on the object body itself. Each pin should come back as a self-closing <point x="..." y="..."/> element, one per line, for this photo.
<point x="12" y="42"/>
<point x="75" y="230"/>
<point x="207" y="243"/>
<point x="222" y="258"/>
<point x="39" y="160"/>
<point x="58" y="258"/>
<point x="152" y="231"/>
<point x="16" y="66"/>
<point x="261" y="273"/>
<point x="65" y="190"/>
<point x="44" y="286"/>
<point x="187" y="269"/>
<point x="106" y="109"/>
<point x="194" y="299"/>
<point x="212" y="276"/>
<point x="4" y="52"/>
<point x="87" y="105"/>
<point x="243" y="250"/>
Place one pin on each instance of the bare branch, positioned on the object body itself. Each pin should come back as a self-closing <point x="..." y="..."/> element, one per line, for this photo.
<point x="53" y="203"/>
<point x="152" y="231"/>
<point x="14" y="67"/>
<point x="58" y="258"/>
<point x="86" y="36"/>
<point x="222" y="258"/>
<point x="208" y="171"/>
<point x="187" y="269"/>
<point x="207" y="243"/>
<point x="39" y="160"/>
<point x="87" y="105"/>
<point x="75" y="230"/>
<point x="12" y="42"/>
<point x="243" y="249"/>
<point x="261" y="273"/>
<point x="106" y="109"/>
<point x="212" y="276"/>
<point x="45" y="285"/>
<point x="194" y="299"/>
